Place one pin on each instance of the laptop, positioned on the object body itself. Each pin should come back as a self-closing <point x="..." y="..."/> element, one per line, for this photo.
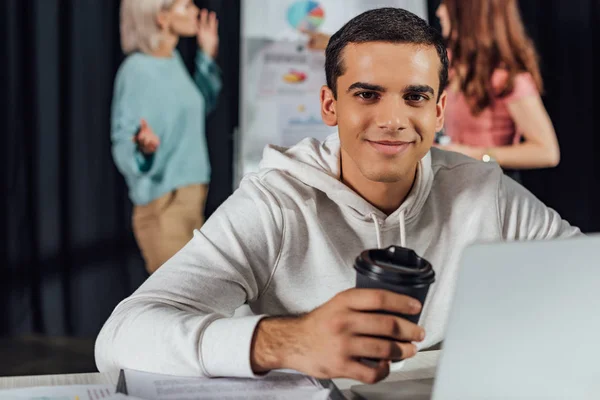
<point x="524" y="324"/>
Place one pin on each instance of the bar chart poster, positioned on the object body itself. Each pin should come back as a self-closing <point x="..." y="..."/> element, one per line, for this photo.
<point x="281" y="78"/>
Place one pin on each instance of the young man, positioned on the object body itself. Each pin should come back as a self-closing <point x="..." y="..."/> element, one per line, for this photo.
<point x="285" y="241"/>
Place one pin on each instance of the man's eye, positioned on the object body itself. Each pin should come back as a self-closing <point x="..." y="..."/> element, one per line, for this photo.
<point x="367" y="95"/>
<point x="416" y="97"/>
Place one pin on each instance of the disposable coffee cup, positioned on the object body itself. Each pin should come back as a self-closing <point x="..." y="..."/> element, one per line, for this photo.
<point x="397" y="269"/>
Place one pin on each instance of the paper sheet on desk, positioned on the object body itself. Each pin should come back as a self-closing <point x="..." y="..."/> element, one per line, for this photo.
<point x="121" y="396"/>
<point x="73" y="392"/>
<point x="274" y="386"/>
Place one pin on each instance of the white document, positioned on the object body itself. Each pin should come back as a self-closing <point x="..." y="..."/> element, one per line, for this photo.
<point x="274" y="386"/>
<point x="301" y="118"/>
<point x="74" y="392"/>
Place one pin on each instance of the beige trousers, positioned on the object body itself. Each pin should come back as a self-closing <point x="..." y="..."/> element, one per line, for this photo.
<point x="165" y="225"/>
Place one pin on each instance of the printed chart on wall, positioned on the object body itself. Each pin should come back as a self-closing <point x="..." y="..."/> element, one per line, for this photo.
<point x="281" y="78"/>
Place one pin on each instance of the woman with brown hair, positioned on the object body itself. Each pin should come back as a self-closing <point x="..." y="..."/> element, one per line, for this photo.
<point x="494" y="110"/>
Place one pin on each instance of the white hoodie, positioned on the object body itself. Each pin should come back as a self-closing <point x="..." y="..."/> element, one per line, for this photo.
<point x="285" y="243"/>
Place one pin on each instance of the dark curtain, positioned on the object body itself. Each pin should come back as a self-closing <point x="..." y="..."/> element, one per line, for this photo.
<point x="66" y="249"/>
<point x="566" y="36"/>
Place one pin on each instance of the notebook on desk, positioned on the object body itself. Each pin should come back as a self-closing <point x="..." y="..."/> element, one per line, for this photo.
<point x="276" y="385"/>
<point x="523" y="324"/>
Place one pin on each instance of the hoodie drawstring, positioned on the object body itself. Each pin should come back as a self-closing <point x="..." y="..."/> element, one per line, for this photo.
<point x="401" y="218"/>
<point x="402" y="222"/>
<point x="377" y="231"/>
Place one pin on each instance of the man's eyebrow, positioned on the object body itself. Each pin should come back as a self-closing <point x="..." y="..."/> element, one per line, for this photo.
<point x="419" y="89"/>
<point x="366" y="86"/>
<point x="379" y="88"/>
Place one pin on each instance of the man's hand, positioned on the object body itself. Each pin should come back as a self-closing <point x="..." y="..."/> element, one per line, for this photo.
<point x="208" y="33"/>
<point x="146" y="139"/>
<point x="329" y="341"/>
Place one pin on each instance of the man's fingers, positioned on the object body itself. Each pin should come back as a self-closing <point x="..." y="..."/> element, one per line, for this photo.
<point x="383" y="325"/>
<point x="380" y="300"/>
<point x="367" y="374"/>
<point x="370" y="347"/>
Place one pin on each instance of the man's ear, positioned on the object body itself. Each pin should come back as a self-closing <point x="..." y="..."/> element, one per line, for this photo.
<point x="440" y="112"/>
<point x="328" y="106"/>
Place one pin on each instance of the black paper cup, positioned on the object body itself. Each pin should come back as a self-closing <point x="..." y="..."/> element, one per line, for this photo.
<point x="397" y="269"/>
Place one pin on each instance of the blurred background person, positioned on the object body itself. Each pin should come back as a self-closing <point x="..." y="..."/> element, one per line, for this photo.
<point x="317" y="40"/>
<point x="494" y="111"/>
<point x="158" y="121"/>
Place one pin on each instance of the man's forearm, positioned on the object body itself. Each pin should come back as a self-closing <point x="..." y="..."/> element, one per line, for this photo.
<point x="274" y="343"/>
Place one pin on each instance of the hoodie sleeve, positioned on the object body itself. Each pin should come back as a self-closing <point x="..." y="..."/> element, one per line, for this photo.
<point x="522" y="216"/>
<point x="180" y="321"/>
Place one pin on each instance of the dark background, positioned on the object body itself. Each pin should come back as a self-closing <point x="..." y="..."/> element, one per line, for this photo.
<point x="66" y="249"/>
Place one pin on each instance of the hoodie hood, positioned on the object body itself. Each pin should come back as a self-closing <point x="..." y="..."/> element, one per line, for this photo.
<point x="317" y="164"/>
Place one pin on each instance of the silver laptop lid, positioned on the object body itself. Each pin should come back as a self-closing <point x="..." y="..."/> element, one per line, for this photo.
<point x="525" y="323"/>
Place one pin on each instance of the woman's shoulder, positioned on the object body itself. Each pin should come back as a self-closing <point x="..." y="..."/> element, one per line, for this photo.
<point x="133" y="63"/>
<point x="135" y="68"/>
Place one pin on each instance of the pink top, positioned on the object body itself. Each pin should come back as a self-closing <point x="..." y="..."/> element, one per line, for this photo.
<point x="494" y="125"/>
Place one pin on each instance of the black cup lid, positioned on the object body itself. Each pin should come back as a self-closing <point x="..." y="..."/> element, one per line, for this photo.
<point x="395" y="265"/>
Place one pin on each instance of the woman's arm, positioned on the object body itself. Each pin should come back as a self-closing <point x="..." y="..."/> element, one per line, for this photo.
<point x="208" y="75"/>
<point x="134" y="103"/>
<point x="208" y="79"/>
<point x="126" y="116"/>
<point x="540" y="148"/>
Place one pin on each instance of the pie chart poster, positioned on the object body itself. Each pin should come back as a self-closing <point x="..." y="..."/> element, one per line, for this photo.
<point x="280" y="78"/>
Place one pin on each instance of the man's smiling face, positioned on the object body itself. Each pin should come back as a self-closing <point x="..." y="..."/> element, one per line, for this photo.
<point x="387" y="108"/>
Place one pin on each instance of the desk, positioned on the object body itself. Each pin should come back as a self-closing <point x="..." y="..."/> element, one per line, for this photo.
<point x="422" y="366"/>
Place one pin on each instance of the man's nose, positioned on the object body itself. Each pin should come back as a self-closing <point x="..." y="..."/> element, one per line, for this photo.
<point x="392" y="114"/>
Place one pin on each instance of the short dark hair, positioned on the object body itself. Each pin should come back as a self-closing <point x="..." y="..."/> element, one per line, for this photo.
<point x="392" y="25"/>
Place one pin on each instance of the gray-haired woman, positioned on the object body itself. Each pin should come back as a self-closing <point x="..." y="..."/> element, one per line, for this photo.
<point x="158" y="121"/>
